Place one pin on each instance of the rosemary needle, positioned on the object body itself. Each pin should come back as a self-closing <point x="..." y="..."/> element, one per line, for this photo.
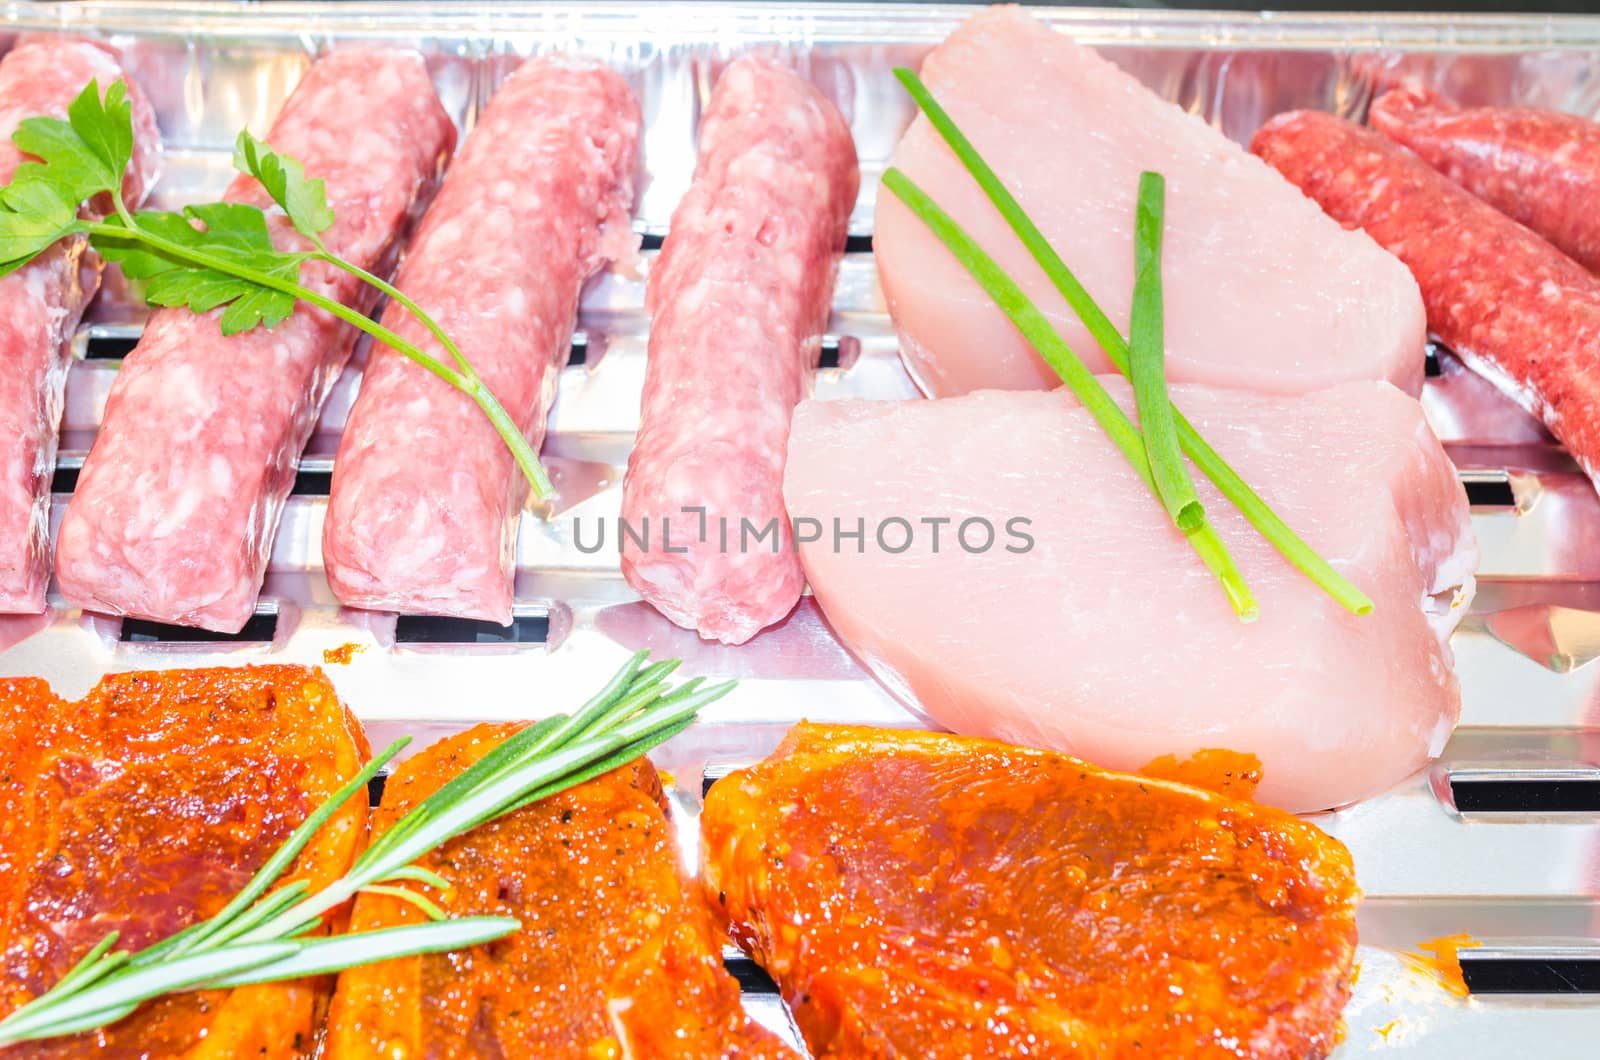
<point x="264" y="935"/>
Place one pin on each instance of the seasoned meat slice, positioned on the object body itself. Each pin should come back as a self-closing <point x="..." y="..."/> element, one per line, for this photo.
<point x="917" y="894"/>
<point x="617" y="956"/>
<point x="148" y="805"/>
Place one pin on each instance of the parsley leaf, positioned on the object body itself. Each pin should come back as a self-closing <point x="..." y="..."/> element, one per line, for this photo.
<point x="304" y="201"/>
<point x="76" y="160"/>
<point x="235" y="230"/>
<point x="261" y="305"/>
<point x="233" y="234"/>
<point x="32" y="217"/>
<point x="83" y="156"/>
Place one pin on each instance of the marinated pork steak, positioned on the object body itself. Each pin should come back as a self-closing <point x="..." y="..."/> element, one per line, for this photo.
<point x="996" y="562"/>
<point x="919" y="894"/>
<point x="1263" y="292"/>
<point x="148" y="805"/>
<point x="617" y="956"/>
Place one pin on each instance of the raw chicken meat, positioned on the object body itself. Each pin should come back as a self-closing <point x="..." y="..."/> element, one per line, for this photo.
<point x="148" y="805"/>
<point x="917" y="894"/>
<point x="1057" y="606"/>
<point x="1263" y="291"/>
<point x="617" y="956"/>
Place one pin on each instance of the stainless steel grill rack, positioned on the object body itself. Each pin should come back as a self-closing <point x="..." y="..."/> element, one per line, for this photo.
<point x="1500" y="839"/>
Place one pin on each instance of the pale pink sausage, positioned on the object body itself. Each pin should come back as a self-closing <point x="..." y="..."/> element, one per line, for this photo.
<point x="740" y="298"/>
<point x="179" y="500"/>
<point x="41" y="304"/>
<point x="538" y="200"/>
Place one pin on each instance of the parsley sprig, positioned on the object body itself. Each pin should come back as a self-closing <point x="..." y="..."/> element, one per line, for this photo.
<point x="265" y="936"/>
<point x="212" y="255"/>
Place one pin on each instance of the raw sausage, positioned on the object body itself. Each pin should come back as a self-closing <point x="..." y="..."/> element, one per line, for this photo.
<point x="739" y="299"/>
<point x="178" y="502"/>
<point x="1540" y="167"/>
<point x="1517" y="311"/>
<point x="425" y="498"/>
<point x="41" y="304"/>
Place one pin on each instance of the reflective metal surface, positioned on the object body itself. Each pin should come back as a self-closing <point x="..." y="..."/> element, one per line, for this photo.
<point x="1522" y="883"/>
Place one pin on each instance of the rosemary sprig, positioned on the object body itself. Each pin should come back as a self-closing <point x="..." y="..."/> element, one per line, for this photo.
<point x="1036" y="328"/>
<point x="1147" y="338"/>
<point x="264" y="935"/>
<point x="228" y="261"/>
<point x="1208" y="460"/>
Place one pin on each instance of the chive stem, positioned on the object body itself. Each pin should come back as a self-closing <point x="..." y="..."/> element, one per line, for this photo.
<point x="1036" y="328"/>
<point x="1211" y="464"/>
<point x="1147" y="341"/>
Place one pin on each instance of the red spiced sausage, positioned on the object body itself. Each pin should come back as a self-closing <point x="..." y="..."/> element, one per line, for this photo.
<point x="1517" y="310"/>
<point x="1540" y="167"/>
